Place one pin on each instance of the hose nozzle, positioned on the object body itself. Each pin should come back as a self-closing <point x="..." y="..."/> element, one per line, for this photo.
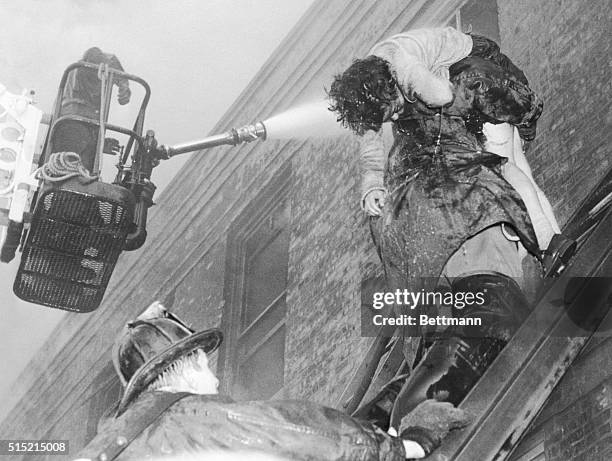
<point x="246" y="133"/>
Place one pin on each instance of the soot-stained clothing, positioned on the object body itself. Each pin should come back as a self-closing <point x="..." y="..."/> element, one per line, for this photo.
<point x="441" y="196"/>
<point x="423" y="60"/>
<point x="293" y="429"/>
<point x="443" y="187"/>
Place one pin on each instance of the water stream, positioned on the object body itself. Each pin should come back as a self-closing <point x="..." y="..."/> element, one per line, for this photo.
<point x="312" y="119"/>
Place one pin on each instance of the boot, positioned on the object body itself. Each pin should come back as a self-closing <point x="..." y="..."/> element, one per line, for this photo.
<point x="456" y="361"/>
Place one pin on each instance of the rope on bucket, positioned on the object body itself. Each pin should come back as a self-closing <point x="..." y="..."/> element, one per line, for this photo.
<point x="62" y="166"/>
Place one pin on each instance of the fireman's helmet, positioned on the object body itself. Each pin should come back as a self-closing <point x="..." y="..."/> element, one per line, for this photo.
<point x="148" y="345"/>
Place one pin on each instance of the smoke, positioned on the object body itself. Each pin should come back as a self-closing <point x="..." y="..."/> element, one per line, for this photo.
<point x="312" y="119"/>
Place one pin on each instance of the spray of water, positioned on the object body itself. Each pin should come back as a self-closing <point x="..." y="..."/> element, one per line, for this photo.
<point x="312" y="119"/>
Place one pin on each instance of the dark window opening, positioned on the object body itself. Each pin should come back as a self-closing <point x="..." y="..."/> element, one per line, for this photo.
<point x="253" y="356"/>
<point x="479" y="17"/>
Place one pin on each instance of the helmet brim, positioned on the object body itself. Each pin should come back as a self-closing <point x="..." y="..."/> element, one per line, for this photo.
<point x="207" y="340"/>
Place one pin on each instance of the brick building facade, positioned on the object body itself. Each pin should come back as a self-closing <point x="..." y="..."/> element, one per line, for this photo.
<point x="282" y="216"/>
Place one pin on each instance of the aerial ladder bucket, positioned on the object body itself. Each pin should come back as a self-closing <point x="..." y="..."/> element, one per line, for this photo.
<point x="75" y="228"/>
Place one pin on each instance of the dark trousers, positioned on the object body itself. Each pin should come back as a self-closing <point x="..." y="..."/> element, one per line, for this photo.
<point x="74" y="136"/>
<point x="456" y="361"/>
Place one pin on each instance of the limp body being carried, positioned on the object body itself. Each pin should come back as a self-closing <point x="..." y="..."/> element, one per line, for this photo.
<point x="413" y="76"/>
<point x="455" y="177"/>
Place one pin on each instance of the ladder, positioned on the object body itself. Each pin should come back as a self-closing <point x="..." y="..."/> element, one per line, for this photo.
<point x="511" y="392"/>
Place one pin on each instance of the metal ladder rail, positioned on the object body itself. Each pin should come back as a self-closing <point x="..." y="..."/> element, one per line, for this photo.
<point x="516" y="386"/>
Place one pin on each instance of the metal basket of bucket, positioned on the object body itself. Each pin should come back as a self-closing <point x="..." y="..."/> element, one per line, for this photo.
<point x="76" y="236"/>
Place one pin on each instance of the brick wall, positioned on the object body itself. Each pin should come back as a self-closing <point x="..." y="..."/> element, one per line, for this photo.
<point x="564" y="48"/>
<point x="575" y="424"/>
<point x="582" y="431"/>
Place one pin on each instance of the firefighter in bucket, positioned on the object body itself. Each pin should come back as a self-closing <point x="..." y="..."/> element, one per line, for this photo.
<point x="79" y="224"/>
<point x="83" y="97"/>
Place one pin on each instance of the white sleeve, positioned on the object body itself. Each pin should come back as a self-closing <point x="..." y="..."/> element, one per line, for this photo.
<point x="372" y="160"/>
<point x="413" y="75"/>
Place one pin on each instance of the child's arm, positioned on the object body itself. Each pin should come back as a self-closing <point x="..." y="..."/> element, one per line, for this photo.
<point x="372" y="160"/>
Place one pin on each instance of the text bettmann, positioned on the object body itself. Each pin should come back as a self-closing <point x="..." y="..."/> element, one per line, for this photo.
<point x="411" y="320"/>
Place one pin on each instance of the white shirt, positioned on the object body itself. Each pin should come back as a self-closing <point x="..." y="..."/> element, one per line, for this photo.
<point x="420" y="59"/>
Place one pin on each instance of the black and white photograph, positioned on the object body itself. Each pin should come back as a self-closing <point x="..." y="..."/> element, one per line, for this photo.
<point x="314" y="230"/>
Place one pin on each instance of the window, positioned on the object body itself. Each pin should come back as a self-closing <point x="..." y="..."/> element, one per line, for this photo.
<point x="479" y="17"/>
<point x="253" y="364"/>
